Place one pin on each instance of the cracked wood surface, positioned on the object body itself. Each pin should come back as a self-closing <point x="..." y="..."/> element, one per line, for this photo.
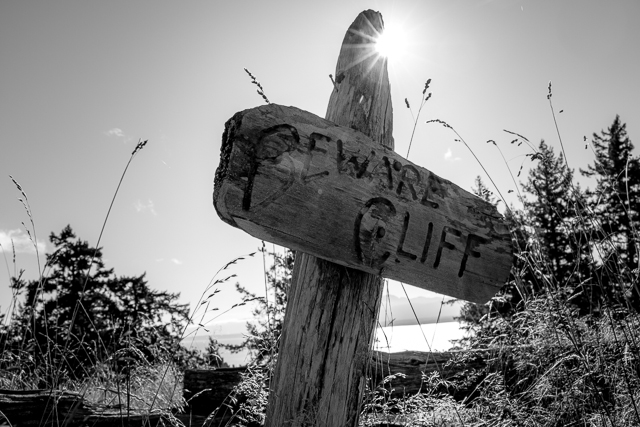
<point x="332" y="310"/>
<point x="295" y="179"/>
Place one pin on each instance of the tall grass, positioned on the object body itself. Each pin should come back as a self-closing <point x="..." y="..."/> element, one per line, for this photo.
<point x="124" y="382"/>
<point x="547" y="363"/>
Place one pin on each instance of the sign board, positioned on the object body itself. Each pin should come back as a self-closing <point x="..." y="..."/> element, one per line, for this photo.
<point x="292" y="178"/>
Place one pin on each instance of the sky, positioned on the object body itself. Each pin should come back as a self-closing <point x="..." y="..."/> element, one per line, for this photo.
<point x="81" y="82"/>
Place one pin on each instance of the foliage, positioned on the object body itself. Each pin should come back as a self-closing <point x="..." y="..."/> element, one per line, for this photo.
<point x="255" y="395"/>
<point x="142" y="388"/>
<point x="567" y="352"/>
<point x="212" y="355"/>
<point x="481" y="190"/>
<point x="615" y="203"/>
<point x="417" y="410"/>
<point x="248" y="401"/>
<point x="553" y="212"/>
<point x="80" y="314"/>
<point x="549" y="366"/>
<point x="472" y="314"/>
<point x="262" y="335"/>
<point x="560" y="346"/>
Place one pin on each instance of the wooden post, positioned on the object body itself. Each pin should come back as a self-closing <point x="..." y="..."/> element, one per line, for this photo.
<point x="332" y="310"/>
<point x="335" y="189"/>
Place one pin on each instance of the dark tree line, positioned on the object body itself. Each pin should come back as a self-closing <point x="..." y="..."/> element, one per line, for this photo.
<point x="615" y="203"/>
<point x="582" y="243"/>
<point x="80" y="314"/>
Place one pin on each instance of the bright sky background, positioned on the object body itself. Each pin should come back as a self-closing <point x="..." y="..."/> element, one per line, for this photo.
<point x="81" y="82"/>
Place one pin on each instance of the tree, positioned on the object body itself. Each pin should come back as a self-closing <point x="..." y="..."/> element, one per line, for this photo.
<point x="482" y="191"/>
<point x="615" y="203"/>
<point x="262" y="336"/>
<point x="80" y="313"/>
<point x="212" y="354"/>
<point x="473" y="314"/>
<point x="554" y="213"/>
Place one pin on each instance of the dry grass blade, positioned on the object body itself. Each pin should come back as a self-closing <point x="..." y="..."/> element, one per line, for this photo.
<point x="425" y="98"/>
<point x="448" y="126"/>
<point x="260" y="89"/>
<point x="138" y="147"/>
<point x="25" y="202"/>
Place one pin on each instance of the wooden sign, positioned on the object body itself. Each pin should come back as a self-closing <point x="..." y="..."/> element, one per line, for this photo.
<point x="297" y="180"/>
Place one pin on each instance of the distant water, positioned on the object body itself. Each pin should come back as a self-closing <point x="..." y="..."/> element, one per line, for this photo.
<point x="426" y="337"/>
<point x="201" y="341"/>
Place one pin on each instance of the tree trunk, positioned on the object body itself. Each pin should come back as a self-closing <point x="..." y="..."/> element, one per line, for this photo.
<point x="332" y="310"/>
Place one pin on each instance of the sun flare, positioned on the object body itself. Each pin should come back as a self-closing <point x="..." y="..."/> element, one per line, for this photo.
<point x="392" y="43"/>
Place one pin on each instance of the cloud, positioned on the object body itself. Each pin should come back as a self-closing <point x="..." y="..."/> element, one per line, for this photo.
<point x="19" y="241"/>
<point x="117" y="132"/>
<point x="139" y="206"/>
<point x="448" y="156"/>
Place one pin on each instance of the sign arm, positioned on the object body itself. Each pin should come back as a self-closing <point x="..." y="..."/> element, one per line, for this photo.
<point x="305" y="183"/>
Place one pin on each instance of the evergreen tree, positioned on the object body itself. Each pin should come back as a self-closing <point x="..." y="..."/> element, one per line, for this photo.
<point x="615" y="203"/>
<point x="472" y="314"/>
<point x="482" y="191"/>
<point x="554" y="213"/>
<point x="262" y="337"/>
<point x="80" y="314"/>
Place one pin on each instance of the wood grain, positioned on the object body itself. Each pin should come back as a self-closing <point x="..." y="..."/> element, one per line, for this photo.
<point x="61" y="407"/>
<point x="295" y="179"/>
<point x="331" y="315"/>
<point x="212" y="387"/>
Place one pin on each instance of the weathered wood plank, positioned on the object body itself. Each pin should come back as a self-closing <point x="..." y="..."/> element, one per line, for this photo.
<point x="320" y="375"/>
<point x="412" y="364"/>
<point x="58" y="407"/>
<point x="207" y="389"/>
<point x="295" y="179"/>
<point x="324" y="350"/>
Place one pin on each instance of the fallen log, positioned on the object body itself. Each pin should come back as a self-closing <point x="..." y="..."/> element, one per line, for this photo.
<point x="56" y="407"/>
<point x="207" y="389"/>
<point x="400" y="374"/>
<point x="412" y="366"/>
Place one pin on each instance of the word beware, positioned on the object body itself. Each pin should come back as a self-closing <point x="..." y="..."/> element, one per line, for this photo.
<point x="295" y="179"/>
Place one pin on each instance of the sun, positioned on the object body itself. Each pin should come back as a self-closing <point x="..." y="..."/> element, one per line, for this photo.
<point x="392" y="43"/>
